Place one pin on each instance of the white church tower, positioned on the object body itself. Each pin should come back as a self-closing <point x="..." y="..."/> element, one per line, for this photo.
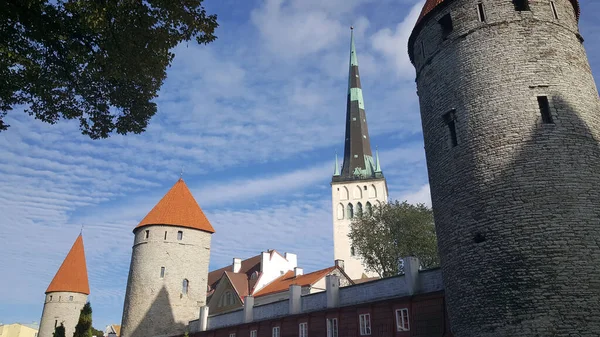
<point x="360" y="185"/>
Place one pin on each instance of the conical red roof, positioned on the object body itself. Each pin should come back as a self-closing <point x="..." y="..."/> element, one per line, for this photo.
<point x="72" y="275"/>
<point x="430" y="5"/>
<point x="178" y="208"/>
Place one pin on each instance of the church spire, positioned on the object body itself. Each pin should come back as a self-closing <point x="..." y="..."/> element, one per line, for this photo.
<point x="358" y="158"/>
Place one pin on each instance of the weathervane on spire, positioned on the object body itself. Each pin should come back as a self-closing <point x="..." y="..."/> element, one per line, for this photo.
<point x="81" y="230"/>
<point x="181" y="173"/>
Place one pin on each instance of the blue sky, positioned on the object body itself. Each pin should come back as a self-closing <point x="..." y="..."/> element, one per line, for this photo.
<point x="254" y="119"/>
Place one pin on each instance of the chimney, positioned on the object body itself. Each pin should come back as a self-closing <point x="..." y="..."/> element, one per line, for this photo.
<point x="248" y="308"/>
<point x="332" y="288"/>
<point x="295" y="299"/>
<point x="339" y="264"/>
<point x="265" y="258"/>
<point x="237" y="265"/>
<point x="411" y="273"/>
<point x="298" y="271"/>
<point x="292" y="259"/>
<point x="204" y="318"/>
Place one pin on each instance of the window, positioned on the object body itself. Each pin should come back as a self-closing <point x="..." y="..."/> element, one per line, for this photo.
<point x="165" y="235"/>
<point x="162" y="272"/>
<point x="365" y="324"/>
<point x="365" y="187"/>
<point x="359" y="209"/>
<point x="481" y="12"/>
<point x="180" y="235"/>
<point x="554" y="12"/>
<point x="369" y="208"/>
<point x="332" y="327"/>
<point x="185" y="286"/>
<point x="545" y="109"/>
<point x="253" y="333"/>
<point x="402" y="320"/>
<point x="70" y="298"/>
<point x="147" y="234"/>
<point x="450" y="119"/>
<point x="446" y="24"/>
<point x="521" y="5"/>
<point x="423" y="50"/>
<point x="352" y="252"/>
<point x="340" y="211"/>
<point x="50" y="298"/>
<point x="303" y="330"/>
<point x="55" y="322"/>
<point x="232" y="334"/>
<point x="275" y="331"/>
<point x="349" y="211"/>
<point x="226" y="299"/>
<point x="59" y="298"/>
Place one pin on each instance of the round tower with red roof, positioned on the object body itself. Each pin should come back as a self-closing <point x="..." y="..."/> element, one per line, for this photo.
<point x="169" y="267"/>
<point x="511" y="124"/>
<point x="67" y="293"/>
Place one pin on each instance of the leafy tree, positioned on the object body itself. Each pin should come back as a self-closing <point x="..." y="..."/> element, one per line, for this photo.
<point x="84" y="325"/>
<point x="98" y="61"/>
<point x="59" y="331"/>
<point x="393" y="231"/>
<point x="97" y="333"/>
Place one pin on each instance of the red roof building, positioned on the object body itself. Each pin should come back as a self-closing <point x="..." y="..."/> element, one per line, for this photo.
<point x="72" y="275"/>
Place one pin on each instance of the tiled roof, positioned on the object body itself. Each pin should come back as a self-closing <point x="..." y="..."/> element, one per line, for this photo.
<point x="72" y="275"/>
<point x="249" y="266"/>
<point x="178" y="208"/>
<point x="284" y="282"/>
<point x="430" y="5"/>
<point x="239" y="281"/>
<point x="117" y="329"/>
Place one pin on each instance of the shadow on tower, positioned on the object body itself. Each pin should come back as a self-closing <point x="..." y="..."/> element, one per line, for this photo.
<point x="159" y="319"/>
<point x="537" y="227"/>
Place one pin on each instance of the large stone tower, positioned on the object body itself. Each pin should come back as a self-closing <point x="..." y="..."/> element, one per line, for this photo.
<point x="360" y="185"/>
<point x="169" y="267"/>
<point x="67" y="293"/>
<point x="511" y="123"/>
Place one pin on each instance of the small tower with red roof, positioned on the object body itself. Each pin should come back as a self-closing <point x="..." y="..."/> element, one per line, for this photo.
<point x="169" y="267"/>
<point x="67" y="293"/>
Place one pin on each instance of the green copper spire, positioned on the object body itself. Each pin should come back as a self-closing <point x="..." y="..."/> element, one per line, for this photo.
<point x="358" y="159"/>
<point x="378" y="164"/>
<point x="353" y="59"/>
<point x="336" y="169"/>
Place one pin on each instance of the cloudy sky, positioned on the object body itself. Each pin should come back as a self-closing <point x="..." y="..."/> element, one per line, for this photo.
<point x="254" y="119"/>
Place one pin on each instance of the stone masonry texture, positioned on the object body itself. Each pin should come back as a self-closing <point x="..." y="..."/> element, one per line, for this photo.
<point x="155" y="305"/>
<point x="516" y="201"/>
<point x="60" y="308"/>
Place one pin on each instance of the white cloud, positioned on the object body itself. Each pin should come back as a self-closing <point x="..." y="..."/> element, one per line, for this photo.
<point x="420" y="196"/>
<point x="393" y="44"/>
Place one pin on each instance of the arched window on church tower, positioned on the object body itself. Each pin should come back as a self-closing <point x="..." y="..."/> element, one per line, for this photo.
<point x="357" y="192"/>
<point x="349" y="211"/>
<point x="372" y="191"/>
<point x="343" y="193"/>
<point x="359" y="209"/>
<point x="185" y="286"/>
<point x="340" y="211"/>
<point x="369" y="208"/>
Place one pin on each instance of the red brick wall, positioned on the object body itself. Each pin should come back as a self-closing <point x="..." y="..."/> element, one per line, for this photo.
<point x="427" y="317"/>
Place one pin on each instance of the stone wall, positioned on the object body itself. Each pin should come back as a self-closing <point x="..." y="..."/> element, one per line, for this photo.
<point x="61" y="307"/>
<point x="156" y="305"/>
<point x="515" y="199"/>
